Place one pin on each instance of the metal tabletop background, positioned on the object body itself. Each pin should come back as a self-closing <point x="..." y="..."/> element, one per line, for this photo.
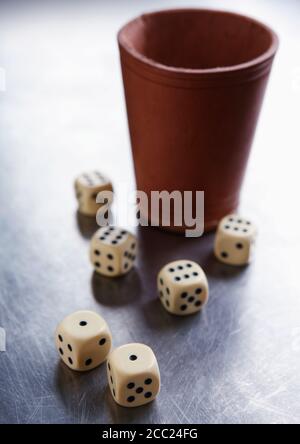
<point x="62" y="113"/>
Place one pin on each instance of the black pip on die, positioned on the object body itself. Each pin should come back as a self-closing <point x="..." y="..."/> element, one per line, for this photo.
<point x="83" y="340"/>
<point x="87" y="187"/>
<point x="182" y="287"/>
<point x="235" y="239"/>
<point x="133" y="375"/>
<point x="113" y="251"/>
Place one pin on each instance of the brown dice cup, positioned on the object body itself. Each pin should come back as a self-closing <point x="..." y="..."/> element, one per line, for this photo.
<point x="194" y="83"/>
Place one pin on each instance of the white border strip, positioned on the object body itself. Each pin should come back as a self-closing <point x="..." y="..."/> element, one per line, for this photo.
<point x="2" y="340"/>
<point x="2" y="80"/>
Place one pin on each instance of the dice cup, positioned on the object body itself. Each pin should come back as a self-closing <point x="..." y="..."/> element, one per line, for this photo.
<point x="194" y="82"/>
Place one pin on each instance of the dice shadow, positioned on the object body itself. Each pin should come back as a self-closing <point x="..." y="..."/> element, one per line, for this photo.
<point x="118" y="291"/>
<point x="223" y="272"/>
<point x="87" y="225"/>
<point x="159" y="319"/>
<point x="83" y="394"/>
<point x="157" y="247"/>
<point x="90" y="386"/>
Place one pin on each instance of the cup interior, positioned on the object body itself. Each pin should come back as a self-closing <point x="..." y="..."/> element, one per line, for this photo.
<point x="197" y="39"/>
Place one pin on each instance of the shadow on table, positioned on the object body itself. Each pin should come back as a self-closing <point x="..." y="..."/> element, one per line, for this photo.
<point x="118" y="291"/>
<point x="157" y="247"/>
<point x="81" y="390"/>
<point x="158" y="319"/>
<point x="223" y="272"/>
<point x="86" y="396"/>
<point x="87" y="226"/>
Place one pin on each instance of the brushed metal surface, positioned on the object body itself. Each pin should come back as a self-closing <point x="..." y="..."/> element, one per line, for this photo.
<point x="63" y="112"/>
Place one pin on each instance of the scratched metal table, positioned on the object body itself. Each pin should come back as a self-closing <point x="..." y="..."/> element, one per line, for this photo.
<point x="63" y="112"/>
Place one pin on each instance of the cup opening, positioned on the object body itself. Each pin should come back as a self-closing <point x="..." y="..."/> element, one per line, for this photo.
<point x="198" y="40"/>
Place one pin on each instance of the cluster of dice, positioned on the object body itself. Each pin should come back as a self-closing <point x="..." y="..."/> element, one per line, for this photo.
<point x="83" y="339"/>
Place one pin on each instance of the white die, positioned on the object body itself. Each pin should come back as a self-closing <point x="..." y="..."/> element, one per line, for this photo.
<point x="235" y="240"/>
<point x="83" y="340"/>
<point x="133" y="375"/>
<point x="182" y="287"/>
<point x="113" y="251"/>
<point x="87" y="187"/>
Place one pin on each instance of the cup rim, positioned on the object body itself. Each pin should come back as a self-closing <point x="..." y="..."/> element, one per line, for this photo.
<point x="265" y="56"/>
